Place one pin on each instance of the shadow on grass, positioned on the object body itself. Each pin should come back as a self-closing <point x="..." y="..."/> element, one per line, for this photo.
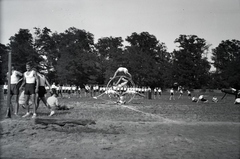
<point x="72" y="128"/>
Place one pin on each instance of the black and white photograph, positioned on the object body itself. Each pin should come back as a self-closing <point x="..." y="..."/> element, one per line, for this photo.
<point x="120" y="79"/>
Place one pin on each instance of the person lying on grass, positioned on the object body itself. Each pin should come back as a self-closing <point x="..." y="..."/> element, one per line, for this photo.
<point x="214" y="99"/>
<point x="202" y="99"/>
<point x="194" y="99"/>
<point x="237" y="100"/>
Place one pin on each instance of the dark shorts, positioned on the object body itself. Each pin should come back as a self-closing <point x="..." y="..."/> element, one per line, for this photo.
<point x="41" y="91"/>
<point x="5" y="91"/>
<point x="54" y="90"/>
<point x="203" y="99"/>
<point x="29" y="89"/>
<point x="14" y="90"/>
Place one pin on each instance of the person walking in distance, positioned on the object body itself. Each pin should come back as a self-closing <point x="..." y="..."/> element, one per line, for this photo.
<point x="189" y="94"/>
<point x="171" y="94"/>
<point x="31" y="83"/>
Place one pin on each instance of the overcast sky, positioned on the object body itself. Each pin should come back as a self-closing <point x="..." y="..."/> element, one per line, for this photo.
<point x="213" y="20"/>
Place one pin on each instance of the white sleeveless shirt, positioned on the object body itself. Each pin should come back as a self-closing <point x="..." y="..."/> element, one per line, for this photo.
<point x="30" y="79"/>
<point x="14" y="77"/>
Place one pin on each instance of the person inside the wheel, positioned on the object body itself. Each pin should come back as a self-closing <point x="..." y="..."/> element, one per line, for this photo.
<point x="123" y="70"/>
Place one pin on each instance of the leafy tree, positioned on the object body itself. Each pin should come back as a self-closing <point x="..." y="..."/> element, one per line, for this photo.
<point x="46" y="46"/>
<point x="3" y="63"/>
<point x="190" y="64"/>
<point x="147" y="59"/>
<point x="22" y="48"/>
<point x="226" y="59"/>
<point x="76" y="62"/>
<point x="110" y="55"/>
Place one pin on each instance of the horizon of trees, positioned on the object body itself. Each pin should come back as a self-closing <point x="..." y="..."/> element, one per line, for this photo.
<point x="72" y="57"/>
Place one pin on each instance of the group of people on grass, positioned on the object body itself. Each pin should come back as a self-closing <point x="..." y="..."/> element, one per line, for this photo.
<point x="32" y="86"/>
<point x="198" y="98"/>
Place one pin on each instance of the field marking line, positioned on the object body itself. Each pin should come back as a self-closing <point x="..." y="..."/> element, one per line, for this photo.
<point x="162" y="118"/>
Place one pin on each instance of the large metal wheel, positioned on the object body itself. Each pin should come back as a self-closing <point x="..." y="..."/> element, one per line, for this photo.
<point x="114" y="83"/>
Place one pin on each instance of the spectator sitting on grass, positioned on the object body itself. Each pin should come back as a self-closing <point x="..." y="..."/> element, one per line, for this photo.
<point x="214" y="99"/>
<point x="194" y="99"/>
<point x="202" y="99"/>
<point x="53" y="101"/>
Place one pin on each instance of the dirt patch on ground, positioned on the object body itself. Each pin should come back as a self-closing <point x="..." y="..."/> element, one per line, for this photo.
<point x="121" y="132"/>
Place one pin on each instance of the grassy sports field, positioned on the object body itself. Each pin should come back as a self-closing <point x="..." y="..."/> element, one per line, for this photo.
<point x="142" y="129"/>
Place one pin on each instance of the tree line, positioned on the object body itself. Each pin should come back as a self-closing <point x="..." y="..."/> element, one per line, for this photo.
<point x="73" y="58"/>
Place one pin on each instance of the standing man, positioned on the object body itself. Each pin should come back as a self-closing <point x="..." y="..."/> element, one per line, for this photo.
<point x="60" y="89"/>
<point x="43" y="82"/>
<point x="159" y="92"/>
<point x="189" y="94"/>
<point x="171" y="94"/>
<point x="14" y="88"/>
<point x="53" y="87"/>
<point x="31" y="83"/>
<point x="5" y="88"/>
<point x="181" y="93"/>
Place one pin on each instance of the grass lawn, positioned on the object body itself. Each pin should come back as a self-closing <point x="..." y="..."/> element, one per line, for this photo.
<point x="143" y="128"/>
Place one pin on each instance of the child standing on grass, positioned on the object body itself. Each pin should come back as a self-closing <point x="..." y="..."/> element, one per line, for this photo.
<point x="53" y="102"/>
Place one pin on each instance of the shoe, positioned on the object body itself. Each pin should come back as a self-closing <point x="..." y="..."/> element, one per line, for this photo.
<point x="34" y="115"/>
<point x="52" y="112"/>
<point x="95" y="97"/>
<point x="26" y="115"/>
<point x="16" y="114"/>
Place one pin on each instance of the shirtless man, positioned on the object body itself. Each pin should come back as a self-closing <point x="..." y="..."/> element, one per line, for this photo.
<point x="43" y="82"/>
<point x="122" y="70"/>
